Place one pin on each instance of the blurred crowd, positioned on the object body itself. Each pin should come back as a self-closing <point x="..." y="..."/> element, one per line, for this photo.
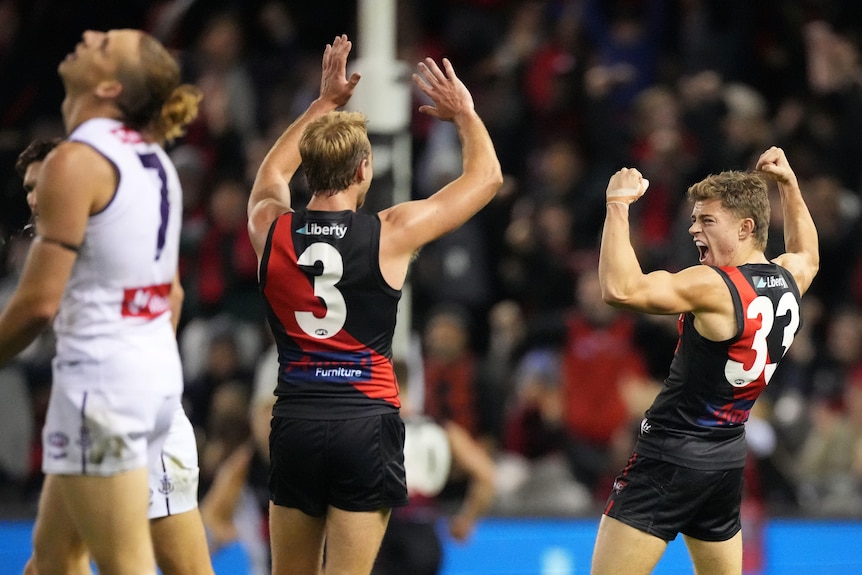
<point x="512" y="339"/>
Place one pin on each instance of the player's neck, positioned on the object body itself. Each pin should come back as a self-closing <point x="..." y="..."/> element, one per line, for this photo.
<point x="750" y="256"/>
<point x="76" y="111"/>
<point x="324" y="202"/>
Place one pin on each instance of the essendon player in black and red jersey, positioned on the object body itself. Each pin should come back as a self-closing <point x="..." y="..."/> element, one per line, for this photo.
<point x="332" y="278"/>
<point x="739" y="313"/>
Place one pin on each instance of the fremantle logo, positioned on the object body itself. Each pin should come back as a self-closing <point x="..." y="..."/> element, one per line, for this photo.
<point x="166" y="487"/>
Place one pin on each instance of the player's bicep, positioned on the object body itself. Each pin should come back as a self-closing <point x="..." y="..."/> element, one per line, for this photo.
<point x="665" y="293"/>
<point x="408" y="226"/>
<point x="419" y="222"/>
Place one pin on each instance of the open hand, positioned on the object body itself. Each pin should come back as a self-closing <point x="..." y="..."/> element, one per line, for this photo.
<point x="446" y="90"/>
<point x="335" y="86"/>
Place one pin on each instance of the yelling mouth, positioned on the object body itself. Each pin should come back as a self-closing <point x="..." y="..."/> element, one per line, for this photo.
<point x="703" y="251"/>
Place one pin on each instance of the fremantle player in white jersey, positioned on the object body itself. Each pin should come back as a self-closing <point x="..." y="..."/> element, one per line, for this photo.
<point x="101" y="267"/>
<point x="173" y="476"/>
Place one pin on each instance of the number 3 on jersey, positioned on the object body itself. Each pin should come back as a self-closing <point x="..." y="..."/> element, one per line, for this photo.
<point x="324" y="288"/>
<point x="735" y="371"/>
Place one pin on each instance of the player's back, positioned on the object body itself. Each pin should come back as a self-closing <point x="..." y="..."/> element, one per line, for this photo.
<point x="332" y="314"/>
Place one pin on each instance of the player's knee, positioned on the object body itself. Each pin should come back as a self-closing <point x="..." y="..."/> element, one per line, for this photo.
<point x="49" y="548"/>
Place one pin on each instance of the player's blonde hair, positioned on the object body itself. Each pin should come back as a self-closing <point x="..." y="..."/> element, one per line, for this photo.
<point x="152" y="99"/>
<point x="331" y="148"/>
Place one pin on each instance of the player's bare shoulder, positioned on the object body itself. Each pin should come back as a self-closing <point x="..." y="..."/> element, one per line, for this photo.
<point x="704" y="288"/>
<point x="78" y="174"/>
<point x="710" y="301"/>
<point x="71" y="157"/>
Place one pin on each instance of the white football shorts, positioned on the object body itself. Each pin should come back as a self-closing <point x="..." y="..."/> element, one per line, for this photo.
<point x="101" y="430"/>
<point x="174" y="473"/>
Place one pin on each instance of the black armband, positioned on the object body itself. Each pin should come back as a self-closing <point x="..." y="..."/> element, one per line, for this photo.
<point x="62" y="244"/>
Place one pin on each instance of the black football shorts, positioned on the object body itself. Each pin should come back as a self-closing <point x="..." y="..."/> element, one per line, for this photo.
<point x="665" y="499"/>
<point x="352" y="464"/>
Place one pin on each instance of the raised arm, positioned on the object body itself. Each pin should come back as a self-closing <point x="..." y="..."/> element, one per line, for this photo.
<point x="624" y="285"/>
<point x="270" y="194"/>
<point x="410" y="225"/>
<point x="619" y="268"/>
<point x="802" y="258"/>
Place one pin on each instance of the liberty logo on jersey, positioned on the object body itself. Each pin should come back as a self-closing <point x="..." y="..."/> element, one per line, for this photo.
<point x="761" y="282"/>
<point x="315" y="229"/>
<point x="147" y="302"/>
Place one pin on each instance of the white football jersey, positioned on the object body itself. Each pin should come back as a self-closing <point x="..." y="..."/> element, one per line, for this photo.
<point x="117" y="299"/>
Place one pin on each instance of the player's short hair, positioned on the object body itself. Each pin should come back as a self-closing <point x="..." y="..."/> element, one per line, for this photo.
<point x="745" y="194"/>
<point x="332" y="148"/>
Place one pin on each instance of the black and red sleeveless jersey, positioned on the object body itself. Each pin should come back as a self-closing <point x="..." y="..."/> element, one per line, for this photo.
<point x="332" y="315"/>
<point x="697" y="419"/>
